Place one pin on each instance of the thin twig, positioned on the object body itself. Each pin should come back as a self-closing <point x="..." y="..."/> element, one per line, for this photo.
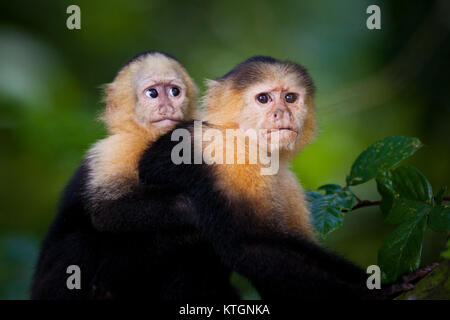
<point x="369" y="203"/>
<point x="365" y="203"/>
<point x="362" y="204"/>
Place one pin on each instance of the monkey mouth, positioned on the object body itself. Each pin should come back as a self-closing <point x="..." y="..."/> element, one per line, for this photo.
<point x="165" y="122"/>
<point x="283" y="129"/>
<point x="285" y="135"/>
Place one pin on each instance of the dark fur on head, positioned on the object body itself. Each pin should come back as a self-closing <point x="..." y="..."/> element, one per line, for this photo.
<point x="252" y="71"/>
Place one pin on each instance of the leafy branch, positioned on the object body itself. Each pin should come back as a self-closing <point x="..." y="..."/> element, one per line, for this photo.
<point x="407" y="200"/>
<point x="369" y="203"/>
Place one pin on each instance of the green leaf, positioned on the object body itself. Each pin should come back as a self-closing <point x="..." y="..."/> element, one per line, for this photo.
<point x="346" y="199"/>
<point x="405" y="209"/>
<point x="405" y="191"/>
<point x="439" y="219"/>
<point x="401" y="251"/>
<point x="325" y="216"/>
<point x="381" y="156"/>
<point x="440" y="195"/>
<point x="310" y="195"/>
<point x="327" y="210"/>
<point x="330" y="188"/>
<point x="409" y="183"/>
<point x="386" y="190"/>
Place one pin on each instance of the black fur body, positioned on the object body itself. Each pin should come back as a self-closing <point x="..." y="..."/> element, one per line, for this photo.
<point x="158" y="251"/>
<point x="158" y="255"/>
<point x="279" y="264"/>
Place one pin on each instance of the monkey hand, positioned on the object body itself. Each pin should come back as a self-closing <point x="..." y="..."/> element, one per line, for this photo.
<point x="100" y="287"/>
<point x="98" y="290"/>
<point x="100" y="293"/>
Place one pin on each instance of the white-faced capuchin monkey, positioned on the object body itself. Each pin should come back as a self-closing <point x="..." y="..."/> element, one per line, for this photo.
<point x="258" y="225"/>
<point x="116" y="231"/>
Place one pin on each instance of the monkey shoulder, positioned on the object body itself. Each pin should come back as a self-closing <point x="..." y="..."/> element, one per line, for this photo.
<point x="112" y="164"/>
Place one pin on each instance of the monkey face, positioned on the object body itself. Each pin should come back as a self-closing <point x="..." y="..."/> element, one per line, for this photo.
<point x="273" y="97"/>
<point x="149" y="95"/>
<point x="161" y="99"/>
<point x="277" y="109"/>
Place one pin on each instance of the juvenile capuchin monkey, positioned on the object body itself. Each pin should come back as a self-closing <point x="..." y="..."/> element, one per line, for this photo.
<point x="258" y="225"/>
<point x="109" y="225"/>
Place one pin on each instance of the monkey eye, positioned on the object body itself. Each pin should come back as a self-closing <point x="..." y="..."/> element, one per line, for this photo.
<point x="262" y="98"/>
<point x="174" y="91"/>
<point x="290" y="97"/>
<point x="151" y="93"/>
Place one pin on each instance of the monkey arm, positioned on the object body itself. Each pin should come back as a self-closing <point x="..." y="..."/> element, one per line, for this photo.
<point x="280" y="266"/>
<point x="144" y="208"/>
<point x="157" y="168"/>
<point x="282" y="272"/>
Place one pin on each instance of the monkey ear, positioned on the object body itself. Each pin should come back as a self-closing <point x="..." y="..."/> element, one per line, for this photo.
<point x="107" y="115"/>
<point x="109" y="108"/>
<point x="211" y="84"/>
<point x="108" y="96"/>
<point x="213" y="88"/>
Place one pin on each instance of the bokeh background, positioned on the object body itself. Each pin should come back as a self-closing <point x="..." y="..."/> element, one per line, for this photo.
<point x="371" y="84"/>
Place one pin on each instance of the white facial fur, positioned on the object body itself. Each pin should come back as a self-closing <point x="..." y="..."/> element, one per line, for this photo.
<point x="165" y="110"/>
<point x="277" y="115"/>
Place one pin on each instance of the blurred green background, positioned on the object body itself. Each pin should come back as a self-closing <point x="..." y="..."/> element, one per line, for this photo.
<point x="371" y="84"/>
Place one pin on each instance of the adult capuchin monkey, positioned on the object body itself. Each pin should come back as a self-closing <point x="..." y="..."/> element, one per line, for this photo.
<point x="257" y="225"/>
<point x="109" y="226"/>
